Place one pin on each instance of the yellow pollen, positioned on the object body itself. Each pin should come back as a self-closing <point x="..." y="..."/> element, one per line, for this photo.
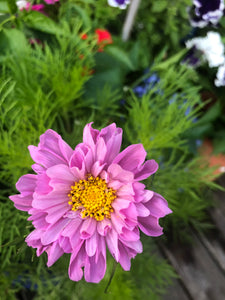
<point x="92" y="197"/>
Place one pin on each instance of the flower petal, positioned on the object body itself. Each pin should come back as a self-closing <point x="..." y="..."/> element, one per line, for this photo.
<point x="54" y="252"/>
<point x="112" y="243"/>
<point x="49" y="200"/>
<point x="150" y="226"/>
<point x="90" y="136"/>
<point x="53" y="232"/>
<point x="77" y="261"/>
<point x="125" y="256"/>
<point x="87" y="228"/>
<point x="95" y="270"/>
<point x="131" y="157"/>
<point x="52" y="150"/>
<point x="23" y="203"/>
<point x="91" y="244"/>
<point x="103" y="227"/>
<point x="38" y="219"/>
<point x="56" y="212"/>
<point x="149" y="168"/>
<point x="158" y="206"/>
<point x="113" y="139"/>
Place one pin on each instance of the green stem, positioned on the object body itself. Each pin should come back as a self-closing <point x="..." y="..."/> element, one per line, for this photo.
<point x="111" y="277"/>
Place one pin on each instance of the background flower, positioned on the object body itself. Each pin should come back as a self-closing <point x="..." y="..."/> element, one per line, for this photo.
<point x="81" y="200"/>
<point x="207" y="12"/>
<point x="211" y="47"/>
<point x="122" y="4"/>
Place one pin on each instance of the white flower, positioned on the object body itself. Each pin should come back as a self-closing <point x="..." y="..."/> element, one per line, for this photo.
<point x="211" y="47"/>
<point x="220" y="76"/>
<point x="21" y="4"/>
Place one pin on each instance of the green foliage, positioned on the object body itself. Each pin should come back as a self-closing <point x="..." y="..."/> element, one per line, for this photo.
<point x="160" y="120"/>
<point x="161" y="24"/>
<point x="63" y="82"/>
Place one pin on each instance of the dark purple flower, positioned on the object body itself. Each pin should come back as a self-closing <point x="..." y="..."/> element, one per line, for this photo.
<point x="192" y="57"/>
<point x="206" y="12"/>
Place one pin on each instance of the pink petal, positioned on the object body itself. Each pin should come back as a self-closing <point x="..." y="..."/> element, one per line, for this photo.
<point x="65" y="244"/>
<point x="150" y="226"/>
<point x="149" y="168"/>
<point x="131" y="157"/>
<point x="78" y="174"/>
<point x="142" y="210"/>
<point x="42" y="186"/>
<point x="130" y="214"/>
<point x="87" y="228"/>
<point x="117" y="222"/>
<point x="52" y="142"/>
<point x="26" y="184"/>
<point x="56" y="212"/>
<point x="49" y="200"/>
<point x="54" y="252"/>
<point x="112" y="243"/>
<point x="52" y="150"/>
<point x="135" y="246"/>
<point x="91" y="244"/>
<point x="61" y="172"/>
<point x="103" y="227"/>
<point x="90" y="136"/>
<point x="23" y="203"/>
<point x="117" y="173"/>
<point x="34" y="237"/>
<point x="44" y="158"/>
<point x="95" y="270"/>
<point x="87" y="156"/>
<point x="38" y="219"/>
<point x="38" y="168"/>
<point x="113" y="139"/>
<point x="130" y="235"/>
<point x="101" y="149"/>
<point x="71" y="227"/>
<point x="158" y="206"/>
<point x="120" y="203"/>
<point x="53" y="232"/>
<point x="97" y="168"/>
<point x="125" y="190"/>
<point x="77" y="159"/>
<point x="125" y="256"/>
<point x="77" y="261"/>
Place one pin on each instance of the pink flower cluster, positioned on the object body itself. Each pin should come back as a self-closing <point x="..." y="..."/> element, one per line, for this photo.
<point x="83" y="200"/>
<point x="23" y="4"/>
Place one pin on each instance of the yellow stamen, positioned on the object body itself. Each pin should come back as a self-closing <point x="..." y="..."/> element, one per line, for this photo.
<point x="92" y="197"/>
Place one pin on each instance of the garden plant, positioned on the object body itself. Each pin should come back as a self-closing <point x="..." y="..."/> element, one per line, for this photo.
<point x="105" y="106"/>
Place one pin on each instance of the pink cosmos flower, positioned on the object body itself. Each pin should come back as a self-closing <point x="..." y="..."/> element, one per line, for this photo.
<point x="82" y="200"/>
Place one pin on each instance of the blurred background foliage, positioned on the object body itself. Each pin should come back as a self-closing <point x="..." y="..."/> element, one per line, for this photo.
<point x="51" y="77"/>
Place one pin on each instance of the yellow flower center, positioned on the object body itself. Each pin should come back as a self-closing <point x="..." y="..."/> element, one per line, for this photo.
<point x="92" y="197"/>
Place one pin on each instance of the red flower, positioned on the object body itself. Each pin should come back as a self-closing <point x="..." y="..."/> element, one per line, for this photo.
<point x="104" y="38"/>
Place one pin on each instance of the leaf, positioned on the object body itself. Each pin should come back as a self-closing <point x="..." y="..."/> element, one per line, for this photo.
<point x="38" y="21"/>
<point x="4" y="7"/>
<point x="13" y="40"/>
<point x="170" y="61"/>
<point x="120" y="56"/>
